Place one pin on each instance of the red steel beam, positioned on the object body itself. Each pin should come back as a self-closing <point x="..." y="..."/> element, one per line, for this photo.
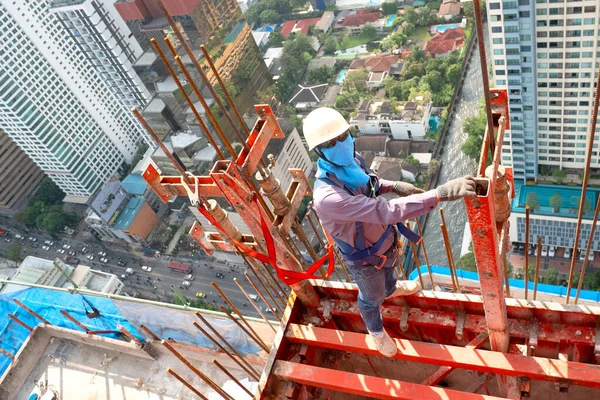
<point x="458" y="357"/>
<point x="366" y="385"/>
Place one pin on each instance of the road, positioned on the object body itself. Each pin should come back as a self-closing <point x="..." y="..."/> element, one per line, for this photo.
<point x="155" y="285"/>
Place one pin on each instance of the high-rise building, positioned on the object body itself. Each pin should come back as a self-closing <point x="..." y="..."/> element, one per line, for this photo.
<point x="56" y="106"/>
<point x="104" y="38"/>
<point x="545" y="53"/>
<point x="19" y="176"/>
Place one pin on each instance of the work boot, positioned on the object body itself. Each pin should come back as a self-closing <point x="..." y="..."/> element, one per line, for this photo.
<point x="384" y="343"/>
<point x="405" y="288"/>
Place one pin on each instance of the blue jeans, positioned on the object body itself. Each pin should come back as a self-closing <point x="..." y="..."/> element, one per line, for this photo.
<point x="373" y="287"/>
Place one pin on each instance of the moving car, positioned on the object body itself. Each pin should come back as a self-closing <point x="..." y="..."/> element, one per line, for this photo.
<point x="45" y="248"/>
<point x="83" y="250"/>
<point x="146" y="268"/>
<point x="90" y="257"/>
<point x="186" y="283"/>
<point x="201" y="295"/>
<point x="220" y="275"/>
<point x="66" y="246"/>
<point x="190" y="277"/>
<point x="129" y="271"/>
<point x="104" y="260"/>
<point x="61" y="251"/>
<point x="102" y="253"/>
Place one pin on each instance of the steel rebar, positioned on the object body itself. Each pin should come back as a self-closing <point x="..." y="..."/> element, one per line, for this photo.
<point x="230" y="376"/>
<point x="188" y="100"/>
<point x="278" y="300"/>
<point x="242" y="361"/>
<point x="199" y="373"/>
<point x="149" y="332"/>
<point x="30" y="311"/>
<point x="586" y="175"/>
<point x="130" y="335"/>
<point x="18" y="321"/>
<point x="449" y="254"/>
<point x="273" y="309"/>
<point x="506" y="278"/>
<point x="537" y="268"/>
<point x="484" y="72"/>
<point x="186" y="384"/>
<point x="256" y="306"/>
<point x="73" y="320"/>
<point x="539" y="250"/>
<point x="588" y="248"/>
<point x="425" y="253"/>
<point x="7" y="354"/>
<point x="234" y="308"/>
<point x="416" y="259"/>
<point x="275" y="280"/>
<point x="256" y="338"/>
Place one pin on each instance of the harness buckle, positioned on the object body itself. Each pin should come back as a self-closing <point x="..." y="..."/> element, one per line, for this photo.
<point x="382" y="263"/>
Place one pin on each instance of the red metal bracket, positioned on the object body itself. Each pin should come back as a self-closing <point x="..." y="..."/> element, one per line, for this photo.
<point x="299" y="188"/>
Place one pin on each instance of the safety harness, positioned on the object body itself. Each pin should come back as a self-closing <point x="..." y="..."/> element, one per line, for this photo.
<point x="358" y="253"/>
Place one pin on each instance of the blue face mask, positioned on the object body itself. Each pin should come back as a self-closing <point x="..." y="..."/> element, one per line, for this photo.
<point x="349" y="172"/>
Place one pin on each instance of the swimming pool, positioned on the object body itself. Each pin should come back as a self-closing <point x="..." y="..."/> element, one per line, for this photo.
<point x="442" y="28"/>
<point x="390" y="20"/>
<point x="341" y="76"/>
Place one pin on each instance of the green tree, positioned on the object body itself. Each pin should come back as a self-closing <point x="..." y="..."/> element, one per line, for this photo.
<point x="320" y="75"/>
<point x="468" y="9"/>
<point x="389" y="8"/>
<point x="368" y="31"/>
<point x="54" y="222"/>
<point x="329" y="46"/>
<point x="475" y="128"/>
<point x="434" y="80"/>
<point x="556" y="201"/>
<point x="413" y="161"/>
<point x="409" y="29"/>
<point x="252" y="15"/>
<point x="467" y="262"/>
<point x="348" y="98"/>
<point x="560" y="175"/>
<point x="410" y="15"/>
<point x="434" y="167"/>
<point x="552" y="276"/>
<point x="453" y="73"/>
<point x="331" y="7"/>
<point x="49" y="192"/>
<point x="276" y="39"/>
<point x="14" y="252"/>
<point x="298" y="4"/>
<point x="269" y="16"/>
<point x="357" y="80"/>
<point x="388" y="44"/>
<point x="533" y="201"/>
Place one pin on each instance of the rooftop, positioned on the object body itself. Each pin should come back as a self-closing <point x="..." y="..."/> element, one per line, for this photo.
<point x="361" y="18"/>
<point x="372" y="143"/>
<point x="135" y="184"/>
<point x="109" y="199"/>
<point x="309" y="94"/>
<point x="569" y="194"/>
<point x="326" y="19"/>
<point x="377" y="63"/>
<point x="129" y="213"/>
<point x="450" y="8"/>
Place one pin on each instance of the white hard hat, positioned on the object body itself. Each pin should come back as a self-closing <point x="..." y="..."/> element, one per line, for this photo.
<point x="323" y="124"/>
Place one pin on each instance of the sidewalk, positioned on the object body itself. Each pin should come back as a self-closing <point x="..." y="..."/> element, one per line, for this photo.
<point x="183" y="228"/>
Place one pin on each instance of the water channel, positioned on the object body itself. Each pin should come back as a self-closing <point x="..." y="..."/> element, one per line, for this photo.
<point x="455" y="164"/>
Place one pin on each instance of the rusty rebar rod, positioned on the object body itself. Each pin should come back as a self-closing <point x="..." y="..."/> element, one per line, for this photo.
<point x="7" y="354"/>
<point x="188" y="100"/>
<point x="234" y="308"/>
<point x="539" y="250"/>
<point x="588" y="248"/>
<point x="537" y="268"/>
<point x="130" y="335"/>
<point x="449" y="254"/>
<point x="276" y="299"/>
<point x="230" y="376"/>
<point x="484" y="72"/>
<point x="242" y="361"/>
<point x="273" y="309"/>
<point x="30" y="311"/>
<point x="104" y="332"/>
<point x="199" y="373"/>
<point x="18" y="321"/>
<point x="416" y="259"/>
<point x="425" y="253"/>
<point x="149" y="332"/>
<point x="256" y="306"/>
<point x="256" y="338"/>
<point x="586" y="176"/>
<point x="194" y="60"/>
<point x="506" y="278"/>
<point x="275" y="280"/>
<point x="73" y="320"/>
<point x="314" y="228"/>
<point x="186" y="384"/>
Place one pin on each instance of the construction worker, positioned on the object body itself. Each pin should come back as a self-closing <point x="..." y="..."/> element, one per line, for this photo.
<point x="346" y="200"/>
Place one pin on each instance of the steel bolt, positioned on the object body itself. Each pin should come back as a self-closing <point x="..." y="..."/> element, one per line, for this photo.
<point x="578" y="332"/>
<point x="431" y="316"/>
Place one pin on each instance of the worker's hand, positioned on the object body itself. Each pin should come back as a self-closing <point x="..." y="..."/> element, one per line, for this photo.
<point x="406" y="189"/>
<point x="457" y="189"/>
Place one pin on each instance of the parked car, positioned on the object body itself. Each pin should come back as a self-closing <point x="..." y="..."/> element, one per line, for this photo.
<point x="66" y="246"/>
<point x="268" y="310"/>
<point x="61" y="251"/>
<point x="190" y="277"/>
<point x="45" y="248"/>
<point x="567" y="252"/>
<point x="591" y="256"/>
<point x="521" y="249"/>
<point x="146" y="268"/>
<point x="102" y="253"/>
<point x="83" y="250"/>
<point x="544" y="251"/>
<point x="31" y="238"/>
<point x="48" y="242"/>
<point x="220" y="275"/>
<point x="581" y="255"/>
<point x="90" y="257"/>
<point x="201" y="295"/>
<point x="515" y="248"/>
<point x="186" y="283"/>
<point x="551" y="251"/>
<point x="7" y="240"/>
<point x="104" y="260"/>
<point x="129" y="271"/>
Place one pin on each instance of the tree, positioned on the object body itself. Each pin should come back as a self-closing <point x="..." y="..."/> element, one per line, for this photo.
<point x="348" y="98"/>
<point x="49" y="192"/>
<point x="331" y="7"/>
<point x="533" y="201"/>
<point x="410" y="15"/>
<point x="468" y="9"/>
<point x="560" y="175"/>
<point x="467" y="262"/>
<point x="276" y="39"/>
<point x="54" y="222"/>
<point x="552" y="276"/>
<point x="388" y="44"/>
<point x="269" y="16"/>
<point x="453" y="73"/>
<point x="556" y="201"/>
<point x="357" y="80"/>
<point x="434" y="80"/>
<point x="409" y="29"/>
<point x="329" y="46"/>
<point x="369" y="31"/>
<point x="320" y="75"/>
<point x="413" y="161"/>
<point x="389" y="8"/>
<point x="475" y="128"/>
<point x="14" y="252"/>
<point x="434" y="167"/>
<point x="298" y="3"/>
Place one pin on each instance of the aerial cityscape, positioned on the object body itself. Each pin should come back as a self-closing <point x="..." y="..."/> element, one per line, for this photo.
<point x="297" y="199"/>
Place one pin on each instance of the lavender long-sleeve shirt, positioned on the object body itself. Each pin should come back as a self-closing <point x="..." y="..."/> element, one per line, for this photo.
<point x="338" y="211"/>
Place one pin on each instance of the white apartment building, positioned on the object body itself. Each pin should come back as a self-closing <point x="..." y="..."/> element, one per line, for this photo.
<point x="103" y="37"/>
<point x="546" y="52"/>
<point x="56" y="106"/>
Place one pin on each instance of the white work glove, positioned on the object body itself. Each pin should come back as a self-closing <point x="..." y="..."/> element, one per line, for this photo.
<point x="406" y="189"/>
<point x="457" y="189"/>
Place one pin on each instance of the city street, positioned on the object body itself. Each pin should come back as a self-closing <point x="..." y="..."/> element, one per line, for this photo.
<point x="154" y="285"/>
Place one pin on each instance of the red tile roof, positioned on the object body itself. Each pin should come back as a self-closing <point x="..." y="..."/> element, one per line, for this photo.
<point x="358" y="63"/>
<point x="303" y="24"/>
<point x="405" y="54"/>
<point x="445" y="42"/>
<point x="361" y="18"/>
<point x="287" y="28"/>
<point x="456" y="33"/>
<point x="379" y="63"/>
<point x="439" y="47"/>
